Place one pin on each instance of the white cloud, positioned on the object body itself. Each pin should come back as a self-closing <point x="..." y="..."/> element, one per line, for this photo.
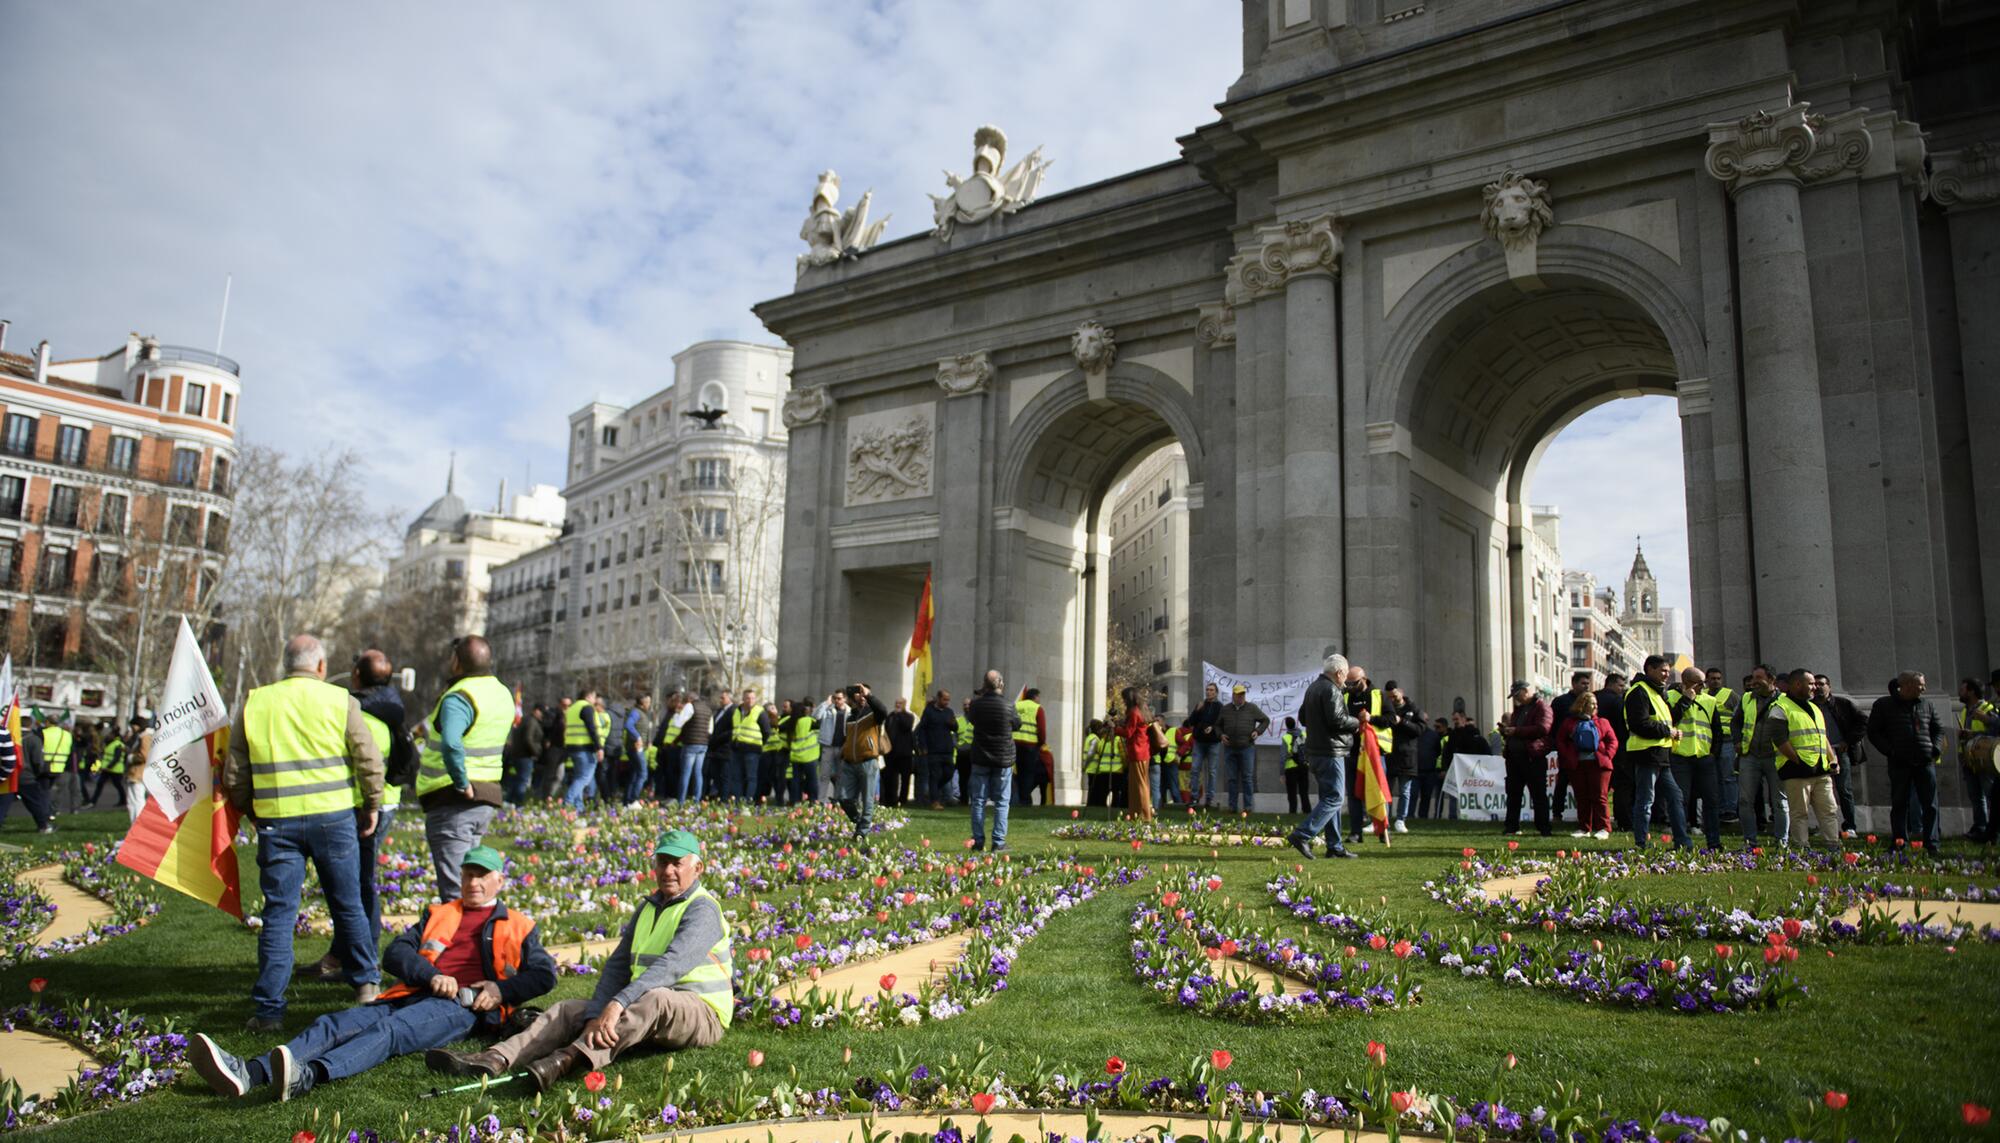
<point x="1616" y="474"/>
<point x="450" y="224"/>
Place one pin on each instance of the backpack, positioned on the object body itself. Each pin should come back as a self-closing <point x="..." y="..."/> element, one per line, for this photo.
<point x="400" y="767"/>
<point x="1586" y="737"/>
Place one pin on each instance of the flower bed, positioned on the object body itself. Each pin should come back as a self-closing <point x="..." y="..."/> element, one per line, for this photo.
<point x="25" y="912"/>
<point x="133" y="1060"/>
<point x="1184" y="940"/>
<point x="1195" y="831"/>
<point x="1720" y="979"/>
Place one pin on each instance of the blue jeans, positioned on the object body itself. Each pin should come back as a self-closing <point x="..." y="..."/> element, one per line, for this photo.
<point x="1330" y="770"/>
<point x="693" y="758"/>
<point x="1913" y="793"/>
<point x="1207" y="760"/>
<point x="1978" y="786"/>
<point x="284" y="845"/>
<point x="352" y="1040"/>
<point x="1725" y="762"/>
<point x="1699" y="781"/>
<point x="1401" y="792"/>
<point x="584" y="784"/>
<point x="1241" y="762"/>
<point x="635" y="785"/>
<point x="368" y="849"/>
<point x="740" y="779"/>
<point x="1646" y="779"/>
<point x="993" y="784"/>
<point x="1156" y="782"/>
<point x="934" y="777"/>
<point x="1753" y="777"/>
<point x="854" y="787"/>
<point x="805" y="781"/>
<point x="514" y="786"/>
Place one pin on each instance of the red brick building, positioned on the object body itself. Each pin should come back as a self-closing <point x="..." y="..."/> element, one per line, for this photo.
<point x="115" y="500"/>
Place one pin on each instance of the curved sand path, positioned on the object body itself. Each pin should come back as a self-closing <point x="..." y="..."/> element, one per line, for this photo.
<point x="1004" y="1125"/>
<point x="40" y="1064"/>
<point x="1978" y="914"/>
<point x="931" y="961"/>
<point x="1519" y="887"/>
<point x="1262" y="978"/>
<point x="76" y="911"/>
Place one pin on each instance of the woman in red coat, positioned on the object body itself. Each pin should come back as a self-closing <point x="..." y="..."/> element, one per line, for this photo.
<point x="1588" y="771"/>
<point x="1137" y="730"/>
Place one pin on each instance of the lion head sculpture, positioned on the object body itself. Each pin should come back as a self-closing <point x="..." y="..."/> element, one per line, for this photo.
<point x="1517" y="209"/>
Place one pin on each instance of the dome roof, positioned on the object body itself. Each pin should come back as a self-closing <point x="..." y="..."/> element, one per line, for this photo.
<point x="447" y="512"/>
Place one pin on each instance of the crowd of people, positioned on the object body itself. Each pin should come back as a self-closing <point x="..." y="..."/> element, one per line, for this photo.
<point x="63" y="765"/>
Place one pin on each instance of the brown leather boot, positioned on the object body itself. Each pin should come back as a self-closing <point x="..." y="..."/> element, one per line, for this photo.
<point x="487" y="1063"/>
<point x="551" y="1069"/>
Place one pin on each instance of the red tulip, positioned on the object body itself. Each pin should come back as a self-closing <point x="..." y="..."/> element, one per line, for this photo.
<point x="1465" y="865"/>
<point x="1074" y="813"/>
<point x="1401" y="1101"/>
<point x="309" y="1137"/>
<point x="1667" y="965"/>
<point x="1170" y="898"/>
<point x="1774" y="938"/>
<point x="1595" y="945"/>
<point x="1724" y="951"/>
<point x="756" y="1058"/>
<point x="1220" y="1059"/>
<point x="909" y="898"/>
<point x="968" y="843"/>
<point x="1114" y="1066"/>
<point x="1229" y="948"/>
<point x="1348" y="951"/>
<point x="888" y="981"/>
<point x="1851" y="857"/>
<point x="1135" y="845"/>
<point x="1511" y="1061"/>
<point x="802" y="942"/>
<point x="982" y="1103"/>
<point x="1549" y="926"/>
<point x="1772" y="954"/>
<point x="1871" y="839"/>
<point x="594" y="1081"/>
<point x="1835" y="1099"/>
<point x="38" y="983"/>
<point x="1564" y="853"/>
<point x="1468" y="851"/>
<point x="1402" y="949"/>
<point x="1916" y="843"/>
<point x="1975" y="1114"/>
<point x="1812" y="879"/>
<point x="1378" y="942"/>
<point x="1506" y="938"/>
<point x="1378" y="1053"/>
<point x="1214" y="883"/>
<point x="1213" y="953"/>
<point x="1793" y="928"/>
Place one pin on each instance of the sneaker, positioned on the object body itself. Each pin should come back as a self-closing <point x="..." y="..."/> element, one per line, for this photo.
<point x="1848" y="833"/>
<point x="1602" y="835"/>
<point x="1338" y="851"/>
<point x="1581" y="833"/>
<point x="46" y="829"/>
<point x="999" y="847"/>
<point x="1302" y="845"/>
<point x="225" y="1074"/>
<point x="287" y="1076"/>
<point x="1399" y="827"/>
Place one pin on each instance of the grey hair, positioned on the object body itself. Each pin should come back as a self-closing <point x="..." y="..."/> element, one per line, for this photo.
<point x="1334" y="664"/>
<point x="1908" y="676"/>
<point x="303" y="653"/>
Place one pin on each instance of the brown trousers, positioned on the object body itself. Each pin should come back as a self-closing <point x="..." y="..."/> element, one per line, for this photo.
<point x="663" y="1017"/>
<point x="1139" y="788"/>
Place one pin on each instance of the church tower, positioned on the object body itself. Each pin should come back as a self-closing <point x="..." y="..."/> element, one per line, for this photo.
<point x="1642" y="617"/>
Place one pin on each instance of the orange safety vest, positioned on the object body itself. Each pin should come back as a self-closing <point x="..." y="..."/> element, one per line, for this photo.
<point x="441" y="921"/>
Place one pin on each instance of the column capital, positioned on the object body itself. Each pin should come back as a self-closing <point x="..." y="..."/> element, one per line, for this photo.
<point x="1296" y="248"/>
<point x="1216" y="327"/>
<point x="965" y="375"/>
<point x="1790" y="145"/>
<point x="1966" y="178"/>
<point x="806" y="405"/>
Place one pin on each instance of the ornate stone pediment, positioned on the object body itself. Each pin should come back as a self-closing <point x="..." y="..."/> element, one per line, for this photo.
<point x="1285" y="251"/>
<point x="1967" y="177"/>
<point x="1791" y="144"/>
<point x="965" y="375"/>
<point x="807" y="405"/>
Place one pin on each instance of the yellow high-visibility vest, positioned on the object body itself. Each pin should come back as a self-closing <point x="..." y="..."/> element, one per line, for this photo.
<point x="1027" y="709"/>
<point x="57" y="746"/>
<point x="296" y="731"/>
<point x="392" y="796"/>
<point x="577" y="721"/>
<point x="1805" y="729"/>
<point x="485" y="740"/>
<point x="710" y="980"/>
<point x="1661" y="711"/>
<point x="1697" y="725"/>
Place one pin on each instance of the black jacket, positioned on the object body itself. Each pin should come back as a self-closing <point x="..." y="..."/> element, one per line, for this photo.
<point x="902" y="733"/>
<point x="536" y="976"/>
<point x="1400" y="760"/>
<point x="994" y="721"/>
<point x="1906" y="733"/>
<point x="1639" y="716"/>
<point x="1330" y="727"/>
<point x="937" y="730"/>
<point x="1611" y="708"/>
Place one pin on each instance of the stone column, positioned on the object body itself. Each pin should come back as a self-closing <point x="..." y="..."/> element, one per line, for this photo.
<point x="964" y="516"/>
<point x="807" y="413"/>
<point x="1763" y="158"/>
<point x="1966" y="183"/>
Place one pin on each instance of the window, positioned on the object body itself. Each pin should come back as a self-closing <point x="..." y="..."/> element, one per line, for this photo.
<point x="454" y="569"/>
<point x="218" y="533"/>
<point x="124" y="454"/>
<point x="709" y="473"/>
<point x="92" y="696"/>
<point x="20" y="438"/>
<point x="711" y="523"/>
<point x="187" y="467"/>
<point x="10" y="564"/>
<point x="58" y="567"/>
<point x="183" y="526"/>
<point x="219" y="479"/>
<point x="701" y="575"/>
<point x="63" y="500"/>
<point x="611" y="436"/>
<point x="760" y="423"/>
<point x="13" y="493"/>
<point x="228" y="407"/>
<point x="109" y="570"/>
<point x="194" y="399"/>
<point x="71" y="443"/>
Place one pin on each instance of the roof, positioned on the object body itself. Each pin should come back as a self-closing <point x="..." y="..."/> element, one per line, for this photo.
<point x="1639" y="568"/>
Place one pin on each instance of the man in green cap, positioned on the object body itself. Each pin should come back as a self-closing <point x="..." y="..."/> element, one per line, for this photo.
<point x="679" y="998"/>
<point x="466" y="964"/>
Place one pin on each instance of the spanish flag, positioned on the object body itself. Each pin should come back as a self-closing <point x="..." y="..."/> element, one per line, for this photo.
<point x="185" y="835"/>
<point x="1374" y="780"/>
<point x="10" y="731"/>
<point x="920" y="644"/>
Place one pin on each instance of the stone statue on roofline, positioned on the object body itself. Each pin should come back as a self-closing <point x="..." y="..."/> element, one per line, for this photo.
<point x="832" y="234"/>
<point x="987" y="192"/>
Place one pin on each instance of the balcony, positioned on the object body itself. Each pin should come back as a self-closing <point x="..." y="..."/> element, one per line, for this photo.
<point x="171" y="353"/>
<point x="707" y="484"/>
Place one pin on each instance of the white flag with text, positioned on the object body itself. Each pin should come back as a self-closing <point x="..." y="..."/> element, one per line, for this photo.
<point x="179" y="771"/>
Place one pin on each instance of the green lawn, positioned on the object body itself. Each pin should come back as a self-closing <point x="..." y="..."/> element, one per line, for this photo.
<point x="1908" y="1033"/>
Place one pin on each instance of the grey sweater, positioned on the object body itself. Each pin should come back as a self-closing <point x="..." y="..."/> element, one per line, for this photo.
<point x="701" y="927"/>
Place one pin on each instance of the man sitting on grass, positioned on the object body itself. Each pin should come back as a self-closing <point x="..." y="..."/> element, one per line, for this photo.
<point x="680" y="997"/>
<point x="464" y="963"/>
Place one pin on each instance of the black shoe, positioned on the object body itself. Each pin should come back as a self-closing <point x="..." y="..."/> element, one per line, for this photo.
<point x="1338" y="851"/>
<point x="487" y="1063"/>
<point x="978" y="845"/>
<point x="1302" y="845"/>
<point x="550" y="1070"/>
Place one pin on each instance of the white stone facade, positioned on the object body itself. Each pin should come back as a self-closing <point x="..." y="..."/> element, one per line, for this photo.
<point x="1148" y="541"/>
<point x="452" y="544"/>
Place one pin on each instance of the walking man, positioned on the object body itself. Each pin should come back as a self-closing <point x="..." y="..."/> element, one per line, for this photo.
<point x="1906" y="729"/>
<point x="583" y="738"/>
<point x="299" y="753"/>
<point x="458" y="771"/>
<point x="1330" y="741"/>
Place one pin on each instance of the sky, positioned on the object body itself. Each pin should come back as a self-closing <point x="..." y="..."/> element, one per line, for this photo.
<point x="1598" y="527"/>
<point x="450" y="224"/>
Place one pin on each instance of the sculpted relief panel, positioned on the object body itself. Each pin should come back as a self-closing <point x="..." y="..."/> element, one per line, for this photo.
<point x="890" y="454"/>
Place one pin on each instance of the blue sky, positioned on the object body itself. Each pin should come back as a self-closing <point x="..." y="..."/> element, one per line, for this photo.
<point x="452" y="223"/>
<point x="1587" y="471"/>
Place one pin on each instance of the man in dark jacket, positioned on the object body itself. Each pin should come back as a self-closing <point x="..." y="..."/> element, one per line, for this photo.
<point x="1400" y="760"/>
<point x="994" y="721"/>
<point x="524" y="747"/>
<point x="1527" y="732"/>
<point x="1203" y="720"/>
<point x="1611" y="708"/>
<point x="1846" y="733"/>
<point x="371" y="685"/>
<point x="1651" y="722"/>
<point x="1330" y="738"/>
<point x="937" y="741"/>
<point x="549" y="766"/>
<point x="900" y="764"/>
<point x="23" y="768"/>
<point x="1905" y="729"/>
<point x="464" y="963"/>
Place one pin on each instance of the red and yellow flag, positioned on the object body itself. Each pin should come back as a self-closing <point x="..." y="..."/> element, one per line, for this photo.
<point x="1373" y="781"/>
<point x="185" y="834"/>
<point x="920" y="644"/>
<point x="10" y="731"/>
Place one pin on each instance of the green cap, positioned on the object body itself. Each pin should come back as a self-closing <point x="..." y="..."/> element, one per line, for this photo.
<point x="677" y="843"/>
<point x="485" y="857"/>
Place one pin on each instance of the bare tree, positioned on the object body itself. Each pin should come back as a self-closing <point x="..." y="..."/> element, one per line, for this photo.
<point x="414" y="625"/>
<point x="717" y="572"/>
<point x="1126" y="665"/>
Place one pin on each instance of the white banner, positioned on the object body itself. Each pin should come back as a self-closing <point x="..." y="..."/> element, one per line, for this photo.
<point x="179" y="771"/>
<point x="1278" y="696"/>
<point x="1478" y="784"/>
